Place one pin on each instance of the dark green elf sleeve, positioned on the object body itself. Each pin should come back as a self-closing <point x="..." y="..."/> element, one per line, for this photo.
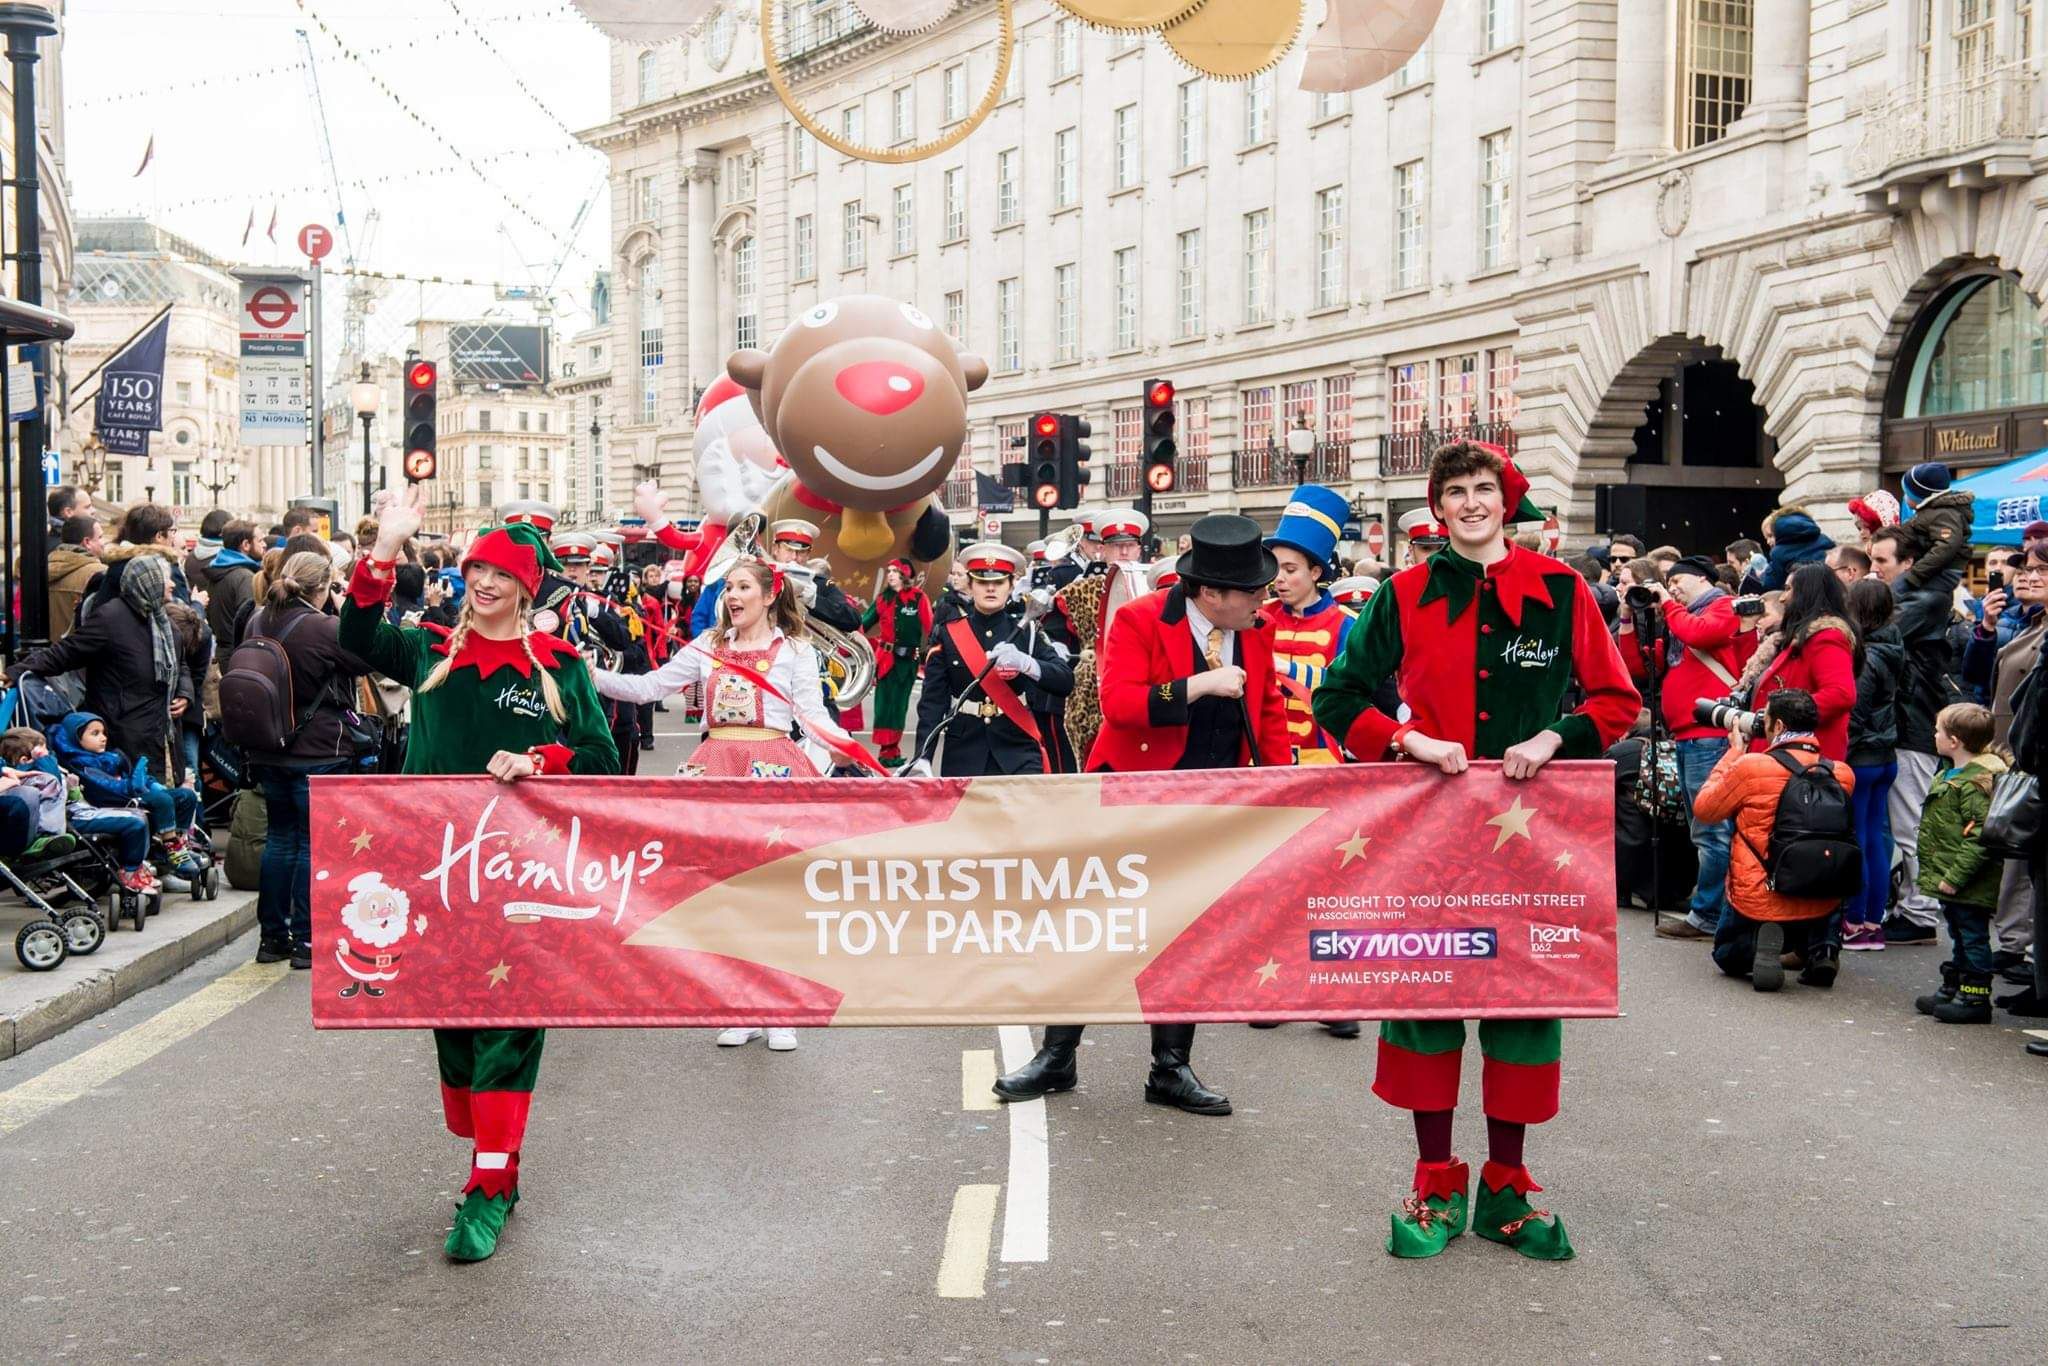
<point x="394" y="652"/>
<point x="583" y="726"/>
<point x="1372" y="653"/>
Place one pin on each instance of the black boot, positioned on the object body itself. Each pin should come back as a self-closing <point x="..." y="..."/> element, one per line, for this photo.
<point x="1050" y="1069"/>
<point x="1172" y="1081"/>
<point x="1821" y="967"/>
<point x="2024" y="1004"/>
<point x="1972" y="1003"/>
<point x="1927" y="1004"/>
<point x="1343" y="1029"/>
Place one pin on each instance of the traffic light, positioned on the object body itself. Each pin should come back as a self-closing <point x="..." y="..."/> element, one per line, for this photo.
<point x="421" y="428"/>
<point x="1074" y="453"/>
<point x="1160" y="451"/>
<point x="1044" y="464"/>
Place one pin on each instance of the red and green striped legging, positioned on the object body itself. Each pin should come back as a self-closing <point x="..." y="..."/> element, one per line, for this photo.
<point x="1420" y="1060"/>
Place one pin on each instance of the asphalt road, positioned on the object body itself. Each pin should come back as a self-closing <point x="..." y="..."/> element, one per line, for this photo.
<point x="197" y="1176"/>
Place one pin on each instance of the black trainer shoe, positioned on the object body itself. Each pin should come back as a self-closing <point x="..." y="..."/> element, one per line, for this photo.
<point x="273" y="951"/>
<point x="1769" y="972"/>
<point x="2006" y="959"/>
<point x="1899" y="930"/>
<point x="302" y="957"/>
<point x="1821" y="969"/>
<point x="1342" y="1029"/>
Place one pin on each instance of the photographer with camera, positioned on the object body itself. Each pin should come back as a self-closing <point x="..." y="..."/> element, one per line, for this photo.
<point x="1813" y="649"/>
<point x="1681" y="634"/>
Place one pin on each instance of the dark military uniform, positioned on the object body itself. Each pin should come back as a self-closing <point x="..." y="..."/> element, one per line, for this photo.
<point x="980" y="740"/>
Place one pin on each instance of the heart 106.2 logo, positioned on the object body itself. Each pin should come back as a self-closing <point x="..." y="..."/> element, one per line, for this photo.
<point x="1554" y="941"/>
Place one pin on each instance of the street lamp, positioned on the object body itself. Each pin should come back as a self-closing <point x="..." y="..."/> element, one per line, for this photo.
<point x="363" y="396"/>
<point x="92" y="464"/>
<point x="1301" y="444"/>
<point x="219" y="477"/>
<point x="596" y="467"/>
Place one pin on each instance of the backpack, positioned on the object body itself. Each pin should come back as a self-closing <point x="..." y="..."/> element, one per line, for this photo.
<point x="1813" y="850"/>
<point x="257" y="710"/>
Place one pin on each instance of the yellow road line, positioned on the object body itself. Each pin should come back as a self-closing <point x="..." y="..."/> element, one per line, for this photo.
<point x="977" y="1079"/>
<point x="964" y="1265"/>
<point x="132" y="1047"/>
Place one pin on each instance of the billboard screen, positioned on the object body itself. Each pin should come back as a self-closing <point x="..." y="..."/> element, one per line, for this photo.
<point x="509" y="354"/>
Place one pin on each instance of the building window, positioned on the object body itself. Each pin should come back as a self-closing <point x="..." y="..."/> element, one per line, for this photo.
<point x="803" y="247"/>
<point x="1009" y="348"/>
<point x="184" y="391"/>
<point x="1124" y="39"/>
<point x="1258" y="109"/>
<point x="540" y="420"/>
<point x="1189" y="113"/>
<point x="1330" y="103"/>
<point x="1255" y="418"/>
<point x="1971" y="33"/>
<point x="1066" y="314"/>
<point x="1124" y="131"/>
<point x="956" y="315"/>
<point x="904" y="220"/>
<point x="181" y="481"/>
<point x="1066" y="48"/>
<point x="1330" y="286"/>
<point x="803" y="151"/>
<point x="2023" y="31"/>
<point x="1126" y="427"/>
<point x="902" y="114"/>
<point x="1496" y="200"/>
<point x="525" y="420"/>
<point x="1502" y="370"/>
<point x="1013" y="79"/>
<point x="1496" y="24"/>
<point x="1716" y="56"/>
<point x="1923" y="45"/>
<point x="1066" y="171"/>
<point x="484" y="458"/>
<point x="852" y="127"/>
<point x="853" y="239"/>
<point x="1127" y="299"/>
<point x="1193" y="464"/>
<point x="647" y="78"/>
<point x="953" y="93"/>
<point x="1457" y="392"/>
<point x="1410" y="255"/>
<point x="1414" y="71"/>
<point x="746" y="310"/>
<point x="1407" y="398"/>
<point x="1337" y="410"/>
<point x="1191" y="283"/>
<point x="1986" y="349"/>
<point x="1258" y="266"/>
<point x="953" y="186"/>
<point x="1006" y="187"/>
<point x="646" y="198"/>
<point x="739" y="177"/>
<point x="483" y="415"/>
<point x="650" y="338"/>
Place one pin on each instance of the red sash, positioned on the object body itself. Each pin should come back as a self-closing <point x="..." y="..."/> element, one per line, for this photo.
<point x="849" y="749"/>
<point x="995" y="685"/>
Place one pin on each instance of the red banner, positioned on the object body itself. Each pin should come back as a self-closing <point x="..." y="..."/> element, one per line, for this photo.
<point x="1382" y="891"/>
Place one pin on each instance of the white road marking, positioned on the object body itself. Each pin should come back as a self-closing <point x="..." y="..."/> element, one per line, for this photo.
<point x="1027" y="1208"/>
<point x="963" y="1269"/>
<point x="132" y="1047"/>
<point x="977" y="1075"/>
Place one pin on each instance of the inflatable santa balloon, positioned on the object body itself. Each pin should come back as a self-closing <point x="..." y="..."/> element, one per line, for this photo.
<point x="736" y="466"/>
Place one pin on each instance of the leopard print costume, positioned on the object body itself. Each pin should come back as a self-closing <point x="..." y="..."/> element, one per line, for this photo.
<point x="1081" y="601"/>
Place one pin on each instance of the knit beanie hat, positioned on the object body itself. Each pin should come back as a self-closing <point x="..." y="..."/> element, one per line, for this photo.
<point x="1924" y="481"/>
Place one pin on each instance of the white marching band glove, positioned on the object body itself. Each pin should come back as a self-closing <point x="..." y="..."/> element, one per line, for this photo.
<point x="1008" y="656"/>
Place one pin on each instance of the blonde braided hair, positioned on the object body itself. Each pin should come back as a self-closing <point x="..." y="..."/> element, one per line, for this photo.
<point x="464" y="623"/>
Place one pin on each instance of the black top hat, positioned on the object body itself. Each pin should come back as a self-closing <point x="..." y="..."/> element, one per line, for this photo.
<point x="1229" y="552"/>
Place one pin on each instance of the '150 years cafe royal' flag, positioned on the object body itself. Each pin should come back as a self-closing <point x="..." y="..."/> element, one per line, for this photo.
<point x="1383" y="891"/>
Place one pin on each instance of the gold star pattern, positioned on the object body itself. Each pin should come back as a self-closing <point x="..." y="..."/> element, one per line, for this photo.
<point x="1563" y="860"/>
<point x="499" y="973"/>
<point x="1353" y="848"/>
<point x="362" y="840"/>
<point x="1511" y="822"/>
<point x="341" y="823"/>
<point x="776" y="836"/>
<point x="1266" y="972"/>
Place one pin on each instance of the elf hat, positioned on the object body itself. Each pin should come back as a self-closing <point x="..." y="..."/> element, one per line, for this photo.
<point x="1514" y="486"/>
<point x="512" y="555"/>
<point x="528" y="534"/>
<point x="1311" y="523"/>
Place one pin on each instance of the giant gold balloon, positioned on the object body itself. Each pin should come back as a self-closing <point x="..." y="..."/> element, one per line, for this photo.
<point x="1362" y="42"/>
<point x="1235" y="39"/>
<point x="904" y="16"/>
<point x="646" y="22"/>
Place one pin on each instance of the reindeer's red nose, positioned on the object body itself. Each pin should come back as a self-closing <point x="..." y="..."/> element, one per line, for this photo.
<point x="879" y="386"/>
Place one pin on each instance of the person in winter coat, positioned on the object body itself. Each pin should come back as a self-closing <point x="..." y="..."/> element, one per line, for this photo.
<point x="195" y="652"/>
<point x="133" y="668"/>
<point x="1745" y="787"/>
<point x="230" y="574"/>
<point x="112" y="780"/>
<point x="1954" y="866"/>
<point x="73" y="565"/>
<point x="1997" y="670"/>
<point x="146" y="530"/>
<point x="1795" y="539"/>
<point x="1941" y="517"/>
<point x="1873" y="757"/>
<point x="1814" y="650"/>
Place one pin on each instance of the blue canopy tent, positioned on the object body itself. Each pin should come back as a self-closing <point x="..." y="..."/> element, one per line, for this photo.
<point x="2006" y="498"/>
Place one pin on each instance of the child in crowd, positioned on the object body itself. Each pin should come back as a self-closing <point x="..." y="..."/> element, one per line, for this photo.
<point x="18" y="770"/>
<point x="25" y="749"/>
<point x="1953" y="865"/>
<point x="111" y="780"/>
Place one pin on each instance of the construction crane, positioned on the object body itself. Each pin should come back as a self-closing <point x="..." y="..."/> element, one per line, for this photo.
<point x="542" y="296"/>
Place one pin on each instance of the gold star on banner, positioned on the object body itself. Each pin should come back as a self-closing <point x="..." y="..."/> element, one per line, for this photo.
<point x="1266" y="972"/>
<point x="1511" y="822"/>
<point x="1353" y="848"/>
<point x="1563" y="860"/>
<point x="362" y="840"/>
<point x="341" y="823"/>
<point x="776" y="836"/>
<point x="499" y="973"/>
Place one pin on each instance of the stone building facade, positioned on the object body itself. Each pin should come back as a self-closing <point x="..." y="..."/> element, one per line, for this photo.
<point x="1688" y="258"/>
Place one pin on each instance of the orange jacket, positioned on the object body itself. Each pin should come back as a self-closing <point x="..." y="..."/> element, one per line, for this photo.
<point x="1746" y="787"/>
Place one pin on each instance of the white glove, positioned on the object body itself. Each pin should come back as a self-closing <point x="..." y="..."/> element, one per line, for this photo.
<point x="650" y="503"/>
<point x="921" y="769"/>
<point x="1008" y="656"/>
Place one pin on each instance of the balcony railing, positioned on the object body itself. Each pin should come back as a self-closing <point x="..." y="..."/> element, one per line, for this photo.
<point x="1270" y="466"/>
<point x="958" y="495"/>
<point x="1121" y="480"/>
<point x="1989" y="116"/>
<point x="1408" y="452"/>
<point x="1191" y="475"/>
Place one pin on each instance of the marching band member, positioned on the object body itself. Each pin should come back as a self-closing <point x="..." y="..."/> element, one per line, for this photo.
<point x="1082" y="621"/>
<point x="1353" y="592"/>
<point x="898" y="623"/>
<point x="492" y="696"/>
<point x="1426" y="535"/>
<point x="602" y="631"/>
<point x="1186" y="669"/>
<point x="1000" y="733"/>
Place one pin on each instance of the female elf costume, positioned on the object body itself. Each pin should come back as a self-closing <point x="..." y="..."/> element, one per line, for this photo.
<point x="491" y="700"/>
<point x="898" y="624"/>
<point x="1483" y="655"/>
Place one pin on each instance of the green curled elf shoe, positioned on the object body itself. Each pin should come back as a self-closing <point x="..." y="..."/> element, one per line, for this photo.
<point x="1503" y="1214"/>
<point x="1435" y="1213"/>
<point x="477" y="1225"/>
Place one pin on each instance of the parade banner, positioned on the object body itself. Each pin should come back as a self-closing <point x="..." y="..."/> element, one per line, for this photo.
<point x="1376" y="891"/>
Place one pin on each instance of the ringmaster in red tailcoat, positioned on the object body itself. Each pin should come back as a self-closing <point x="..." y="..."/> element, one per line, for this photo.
<point x="1187" y="682"/>
<point x="1484" y="638"/>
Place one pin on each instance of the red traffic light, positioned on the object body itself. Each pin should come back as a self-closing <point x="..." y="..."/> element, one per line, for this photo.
<point x="1160" y="393"/>
<point x="1046" y="424"/>
<point x="421" y="375"/>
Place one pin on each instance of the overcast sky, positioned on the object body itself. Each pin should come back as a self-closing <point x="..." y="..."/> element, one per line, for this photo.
<point x="222" y="88"/>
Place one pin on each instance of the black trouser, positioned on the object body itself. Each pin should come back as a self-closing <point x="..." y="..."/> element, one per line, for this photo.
<point x="1735" y="941"/>
<point x="1180" y="1037"/>
<point x="2037" y="873"/>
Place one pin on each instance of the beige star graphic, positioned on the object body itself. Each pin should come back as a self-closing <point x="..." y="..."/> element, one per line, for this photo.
<point x="1266" y="972"/>
<point x="1511" y="822"/>
<point x="1563" y="860"/>
<point x="499" y="973"/>
<point x="362" y="840"/>
<point x="776" y="836"/>
<point x="341" y="823"/>
<point x="1353" y="848"/>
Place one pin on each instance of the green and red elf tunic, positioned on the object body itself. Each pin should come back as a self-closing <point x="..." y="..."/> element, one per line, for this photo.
<point x="1483" y="656"/>
<point x="898" y="624"/>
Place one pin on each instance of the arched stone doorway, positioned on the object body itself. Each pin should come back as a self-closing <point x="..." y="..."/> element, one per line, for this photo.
<point x="1968" y="385"/>
<point x="1677" y="453"/>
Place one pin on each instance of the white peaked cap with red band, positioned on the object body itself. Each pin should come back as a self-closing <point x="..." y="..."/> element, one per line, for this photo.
<point x="573" y="545"/>
<point x="1086" y="522"/>
<point x="1036" y="550"/>
<point x="794" y="530"/>
<point x="1421" y="524"/>
<point x="529" y="511"/>
<point x="601" y="554"/>
<point x="1166" y="573"/>
<point x="1123" y="524"/>
<point x="991" y="560"/>
<point x="1353" y="592"/>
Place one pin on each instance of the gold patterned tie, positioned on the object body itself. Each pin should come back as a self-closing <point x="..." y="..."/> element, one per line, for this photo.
<point x="1214" y="652"/>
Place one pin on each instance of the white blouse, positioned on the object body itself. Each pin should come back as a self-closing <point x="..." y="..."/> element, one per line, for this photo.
<point x="794" y="671"/>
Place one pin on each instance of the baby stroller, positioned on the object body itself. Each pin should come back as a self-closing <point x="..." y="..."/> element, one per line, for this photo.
<point x="67" y="887"/>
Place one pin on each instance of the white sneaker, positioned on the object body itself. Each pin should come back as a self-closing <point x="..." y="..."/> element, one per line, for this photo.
<point x="782" y="1040"/>
<point x="735" y="1038"/>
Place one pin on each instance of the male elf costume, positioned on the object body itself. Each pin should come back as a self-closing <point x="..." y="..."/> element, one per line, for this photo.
<point x="1484" y="638"/>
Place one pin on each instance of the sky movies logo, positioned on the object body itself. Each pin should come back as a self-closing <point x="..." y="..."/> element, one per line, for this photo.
<point x="1355" y="946"/>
